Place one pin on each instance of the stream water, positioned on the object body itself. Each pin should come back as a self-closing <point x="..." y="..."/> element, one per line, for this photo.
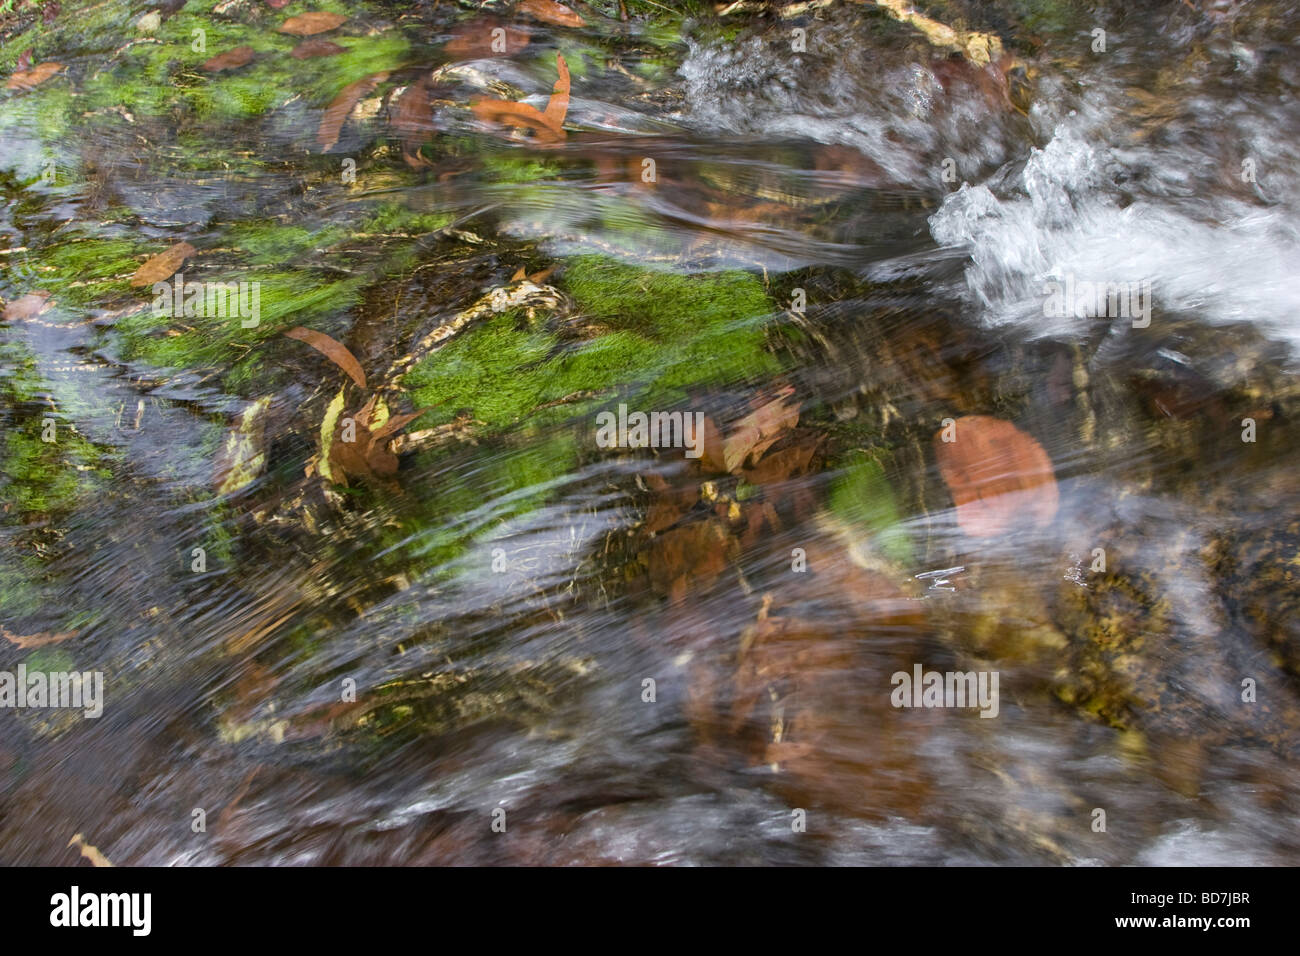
<point x="525" y="647"/>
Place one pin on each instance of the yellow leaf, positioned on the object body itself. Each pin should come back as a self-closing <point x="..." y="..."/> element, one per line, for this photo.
<point x="91" y="853"/>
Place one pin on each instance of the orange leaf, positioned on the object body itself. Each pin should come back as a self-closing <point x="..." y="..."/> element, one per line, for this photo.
<point x="317" y="47"/>
<point x="33" y="77"/>
<point x="548" y="126"/>
<point x="163" y="266"/>
<point x="332" y="349"/>
<point x="27" y="307"/>
<point x="998" y="475"/>
<point x="340" y="108"/>
<point x="692" y="556"/>
<point x="558" y="106"/>
<point x="548" y="11"/>
<point x="509" y="113"/>
<point x="309" y="24"/>
<point x="27" y="641"/>
<point x="230" y="60"/>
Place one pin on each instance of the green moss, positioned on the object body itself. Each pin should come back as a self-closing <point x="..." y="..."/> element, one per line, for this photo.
<point x="50" y="660"/>
<point x="83" y="270"/>
<point x="392" y="217"/>
<point x="507" y="167"/>
<point x="670" y="332"/>
<point x="490" y="371"/>
<point x="21" y="593"/>
<point x="272" y="243"/>
<point x="705" y="329"/>
<point x="39" y="477"/>
<point x="323" y="77"/>
<point x="34" y="127"/>
<point x="863" y="498"/>
<point x="221" y="341"/>
<point x="663" y="302"/>
<point x="153" y="78"/>
<point x="532" y="468"/>
<point x="1052" y="16"/>
<point x="596" y="365"/>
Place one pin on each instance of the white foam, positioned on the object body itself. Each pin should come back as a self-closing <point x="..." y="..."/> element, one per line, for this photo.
<point x="1222" y="259"/>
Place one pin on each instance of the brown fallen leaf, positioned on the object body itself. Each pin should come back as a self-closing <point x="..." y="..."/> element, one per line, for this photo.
<point x="34" y="77"/>
<point x="558" y="105"/>
<point x="316" y="47"/>
<point x="998" y="475"/>
<point x="223" y="821"/>
<point x="89" y="852"/>
<point x="548" y="11"/>
<point x="548" y="126"/>
<point x="27" y="641"/>
<point x="477" y="39"/>
<point x="163" y="266"/>
<point x="785" y="464"/>
<point x="413" y="122"/>
<point x="689" y="558"/>
<point x="230" y="60"/>
<point x="27" y="306"/>
<point x="309" y="24"/>
<point x="332" y="349"/>
<point x="669" y="503"/>
<point x="367" y="456"/>
<point x="747" y="438"/>
<point x="278" y="4"/>
<point x="340" y="109"/>
<point x="796" y="703"/>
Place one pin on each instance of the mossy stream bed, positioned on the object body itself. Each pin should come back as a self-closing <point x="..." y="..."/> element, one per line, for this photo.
<point x="831" y="249"/>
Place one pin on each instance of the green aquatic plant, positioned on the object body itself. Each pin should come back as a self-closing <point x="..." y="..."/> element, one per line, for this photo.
<point x="862" y="497"/>
<point x="666" y="333"/>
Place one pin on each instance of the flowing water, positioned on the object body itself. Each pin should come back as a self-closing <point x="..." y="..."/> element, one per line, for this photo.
<point x="634" y="655"/>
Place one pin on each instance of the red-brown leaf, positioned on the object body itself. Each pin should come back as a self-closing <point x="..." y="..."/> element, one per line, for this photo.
<point x="309" y="24"/>
<point x="163" y="266"/>
<point x="548" y="126"/>
<point x="230" y="60"/>
<point x="27" y="306"/>
<point x="315" y="47"/>
<point x="332" y="349"/>
<point x="998" y="475"/>
<point x="750" y="436"/>
<point x="28" y="641"/>
<point x="472" y="39"/>
<point x="558" y="106"/>
<point x="33" y="77"/>
<point x="368" y="456"/>
<point x="396" y="423"/>
<point x="413" y="122"/>
<point x="340" y="108"/>
<point x="548" y="11"/>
